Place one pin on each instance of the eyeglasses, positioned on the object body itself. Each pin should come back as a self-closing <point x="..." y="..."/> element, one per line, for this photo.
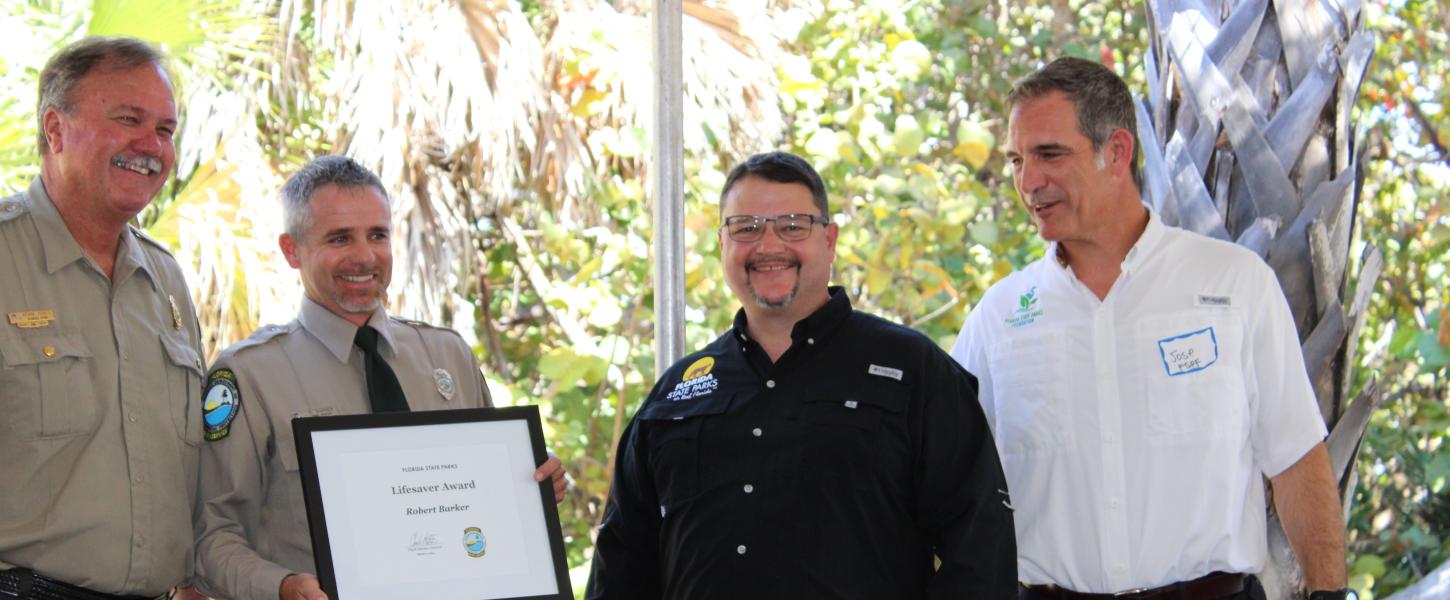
<point x="790" y="228"/>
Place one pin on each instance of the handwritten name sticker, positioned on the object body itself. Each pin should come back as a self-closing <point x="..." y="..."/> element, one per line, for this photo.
<point x="1189" y="353"/>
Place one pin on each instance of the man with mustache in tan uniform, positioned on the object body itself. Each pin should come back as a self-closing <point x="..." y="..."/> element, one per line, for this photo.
<point x="100" y="348"/>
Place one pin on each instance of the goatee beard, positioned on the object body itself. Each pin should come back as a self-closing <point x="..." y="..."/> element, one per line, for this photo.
<point x="782" y="303"/>
<point x="366" y="306"/>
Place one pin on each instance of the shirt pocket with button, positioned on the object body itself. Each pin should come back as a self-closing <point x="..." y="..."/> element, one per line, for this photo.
<point x="1190" y="376"/>
<point x="46" y="378"/>
<point x="1030" y="375"/>
<point x="847" y="436"/>
<point x="183" y="383"/>
<point x="672" y="440"/>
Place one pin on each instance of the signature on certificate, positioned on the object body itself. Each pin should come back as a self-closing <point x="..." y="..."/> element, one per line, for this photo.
<point x="423" y="541"/>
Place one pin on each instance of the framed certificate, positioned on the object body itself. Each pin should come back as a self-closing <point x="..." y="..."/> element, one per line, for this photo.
<point x="431" y="504"/>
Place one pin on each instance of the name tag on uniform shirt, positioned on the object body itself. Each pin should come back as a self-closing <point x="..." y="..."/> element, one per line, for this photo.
<point x="31" y="319"/>
<point x="1190" y="352"/>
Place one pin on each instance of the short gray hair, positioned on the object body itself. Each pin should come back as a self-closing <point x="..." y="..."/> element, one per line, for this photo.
<point x="69" y="66"/>
<point x="1100" y="98"/>
<point x="318" y="173"/>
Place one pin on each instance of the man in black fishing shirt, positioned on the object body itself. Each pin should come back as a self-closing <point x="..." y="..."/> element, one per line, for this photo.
<point x="811" y="451"/>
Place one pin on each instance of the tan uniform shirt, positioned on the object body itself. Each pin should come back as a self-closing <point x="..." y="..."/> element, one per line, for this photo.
<point x="251" y="528"/>
<point x="100" y="398"/>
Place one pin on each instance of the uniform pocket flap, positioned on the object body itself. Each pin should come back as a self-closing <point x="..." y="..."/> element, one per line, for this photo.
<point x="181" y="354"/>
<point x="684" y="409"/>
<point x="41" y="347"/>
<point x="287" y="449"/>
<point x="891" y="399"/>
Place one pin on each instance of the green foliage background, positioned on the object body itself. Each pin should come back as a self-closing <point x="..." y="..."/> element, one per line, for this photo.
<point x="898" y="103"/>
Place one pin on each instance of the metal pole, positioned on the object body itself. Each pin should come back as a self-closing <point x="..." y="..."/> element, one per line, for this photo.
<point x="669" y="184"/>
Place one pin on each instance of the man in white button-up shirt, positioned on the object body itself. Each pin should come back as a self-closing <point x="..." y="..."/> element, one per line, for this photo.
<point x="1141" y="380"/>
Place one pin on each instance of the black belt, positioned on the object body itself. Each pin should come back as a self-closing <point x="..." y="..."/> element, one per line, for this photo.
<point x="1209" y="587"/>
<point x="29" y="585"/>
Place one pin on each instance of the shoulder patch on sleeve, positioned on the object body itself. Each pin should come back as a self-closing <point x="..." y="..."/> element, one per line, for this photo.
<point x="11" y="208"/>
<point x="221" y="402"/>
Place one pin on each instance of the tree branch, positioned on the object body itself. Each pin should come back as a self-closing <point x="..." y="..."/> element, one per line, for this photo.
<point x="941" y="310"/>
<point x="485" y="295"/>
<point x="574" y="331"/>
<point x="1426" y="126"/>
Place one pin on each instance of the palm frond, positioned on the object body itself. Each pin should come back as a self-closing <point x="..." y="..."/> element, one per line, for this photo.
<point x="599" y="60"/>
<point x="223" y="236"/>
<point x="29" y="34"/>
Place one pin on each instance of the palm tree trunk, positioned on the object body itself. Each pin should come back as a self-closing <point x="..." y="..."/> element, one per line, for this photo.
<point x="1247" y="136"/>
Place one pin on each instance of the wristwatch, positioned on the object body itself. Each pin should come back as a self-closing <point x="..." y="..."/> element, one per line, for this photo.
<point x="1344" y="594"/>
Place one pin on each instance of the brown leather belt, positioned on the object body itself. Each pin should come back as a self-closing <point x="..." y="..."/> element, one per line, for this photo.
<point x="1212" y="586"/>
<point x="29" y="585"/>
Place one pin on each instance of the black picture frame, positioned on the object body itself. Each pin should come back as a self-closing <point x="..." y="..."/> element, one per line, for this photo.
<point x="305" y="429"/>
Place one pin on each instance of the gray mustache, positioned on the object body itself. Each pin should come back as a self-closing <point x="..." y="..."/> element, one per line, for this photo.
<point x="146" y="165"/>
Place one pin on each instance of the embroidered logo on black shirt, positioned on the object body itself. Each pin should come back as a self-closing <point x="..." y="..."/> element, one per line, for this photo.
<point x="697" y="381"/>
<point x="881" y="371"/>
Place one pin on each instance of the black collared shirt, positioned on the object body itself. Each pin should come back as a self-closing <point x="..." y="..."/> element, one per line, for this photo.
<point x="837" y="472"/>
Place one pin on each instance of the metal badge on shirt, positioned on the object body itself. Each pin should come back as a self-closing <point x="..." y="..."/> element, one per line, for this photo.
<point x="444" y="381"/>
<point x="220" y="404"/>
<point x="697" y="381"/>
<point x="175" y="314"/>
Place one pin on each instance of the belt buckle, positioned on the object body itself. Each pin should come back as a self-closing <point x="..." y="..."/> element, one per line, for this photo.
<point x="1132" y="592"/>
<point x="24" y="580"/>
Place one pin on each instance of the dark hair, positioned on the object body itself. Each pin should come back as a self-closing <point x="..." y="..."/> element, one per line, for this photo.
<point x="320" y="172"/>
<point x="780" y="167"/>
<point x="1100" y="98"/>
<point x="69" y="66"/>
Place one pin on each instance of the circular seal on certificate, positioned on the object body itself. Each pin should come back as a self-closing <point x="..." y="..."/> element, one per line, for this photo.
<point x="474" y="542"/>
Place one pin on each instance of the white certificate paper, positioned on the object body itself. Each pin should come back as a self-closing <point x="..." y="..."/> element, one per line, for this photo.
<point x="447" y="510"/>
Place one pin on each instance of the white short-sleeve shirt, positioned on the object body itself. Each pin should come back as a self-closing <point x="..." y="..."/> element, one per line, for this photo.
<point x="1135" y="431"/>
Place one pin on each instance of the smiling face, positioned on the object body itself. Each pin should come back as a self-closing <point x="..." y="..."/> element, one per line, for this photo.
<point x="769" y="274"/>
<point x="1064" y="183"/>
<point x="112" y="153"/>
<point x="346" y="256"/>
